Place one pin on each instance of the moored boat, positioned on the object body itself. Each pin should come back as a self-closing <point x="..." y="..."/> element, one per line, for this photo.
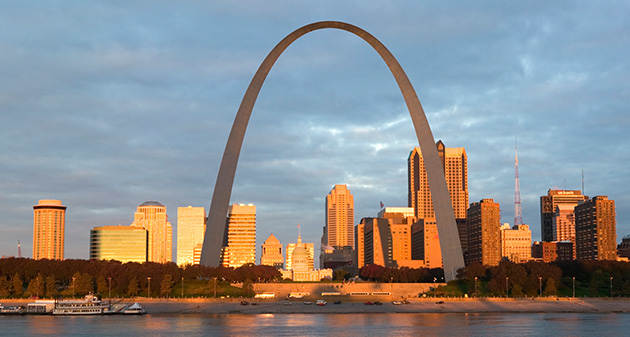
<point x="134" y="309"/>
<point x="91" y="305"/>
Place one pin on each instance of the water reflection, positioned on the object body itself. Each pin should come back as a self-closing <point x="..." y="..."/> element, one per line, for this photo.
<point x="462" y="324"/>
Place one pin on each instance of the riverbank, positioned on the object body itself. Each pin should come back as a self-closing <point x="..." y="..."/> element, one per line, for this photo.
<point x="426" y="305"/>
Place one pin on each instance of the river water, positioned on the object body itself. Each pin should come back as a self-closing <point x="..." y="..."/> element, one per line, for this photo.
<point x="424" y="324"/>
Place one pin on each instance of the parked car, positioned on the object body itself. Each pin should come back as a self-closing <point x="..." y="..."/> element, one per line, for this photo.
<point x="244" y="303"/>
<point x="368" y="303"/>
<point x="321" y="303"/>
<point x="337" y="302"/>
<point x="378" y="303"/>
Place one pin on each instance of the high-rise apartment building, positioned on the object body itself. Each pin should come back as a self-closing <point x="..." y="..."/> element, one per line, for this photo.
<point x="548" y="209"/>
<point x="120" y="243"/>
<point x="563" y="224"/>
<point x="484" y="237"/>
<point x="516" y="243"/>
<point x="595" y="229"/>
<point x="552" y="251"/>
<point x="49" y="223"/>
<point x="455" y="165"/>
<point x="191" y="228"/>
<point x="240" y="247"/>
<point x="271" y="253"/>
<point x="151" y="215"/>
<point x="339" y="230"/>
<point x="426" y="243"/>
<point x="359" y="244"/>
<point x="377" y="242"/>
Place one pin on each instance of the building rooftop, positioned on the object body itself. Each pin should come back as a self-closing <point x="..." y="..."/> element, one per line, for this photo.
<point x="152" y="203"/>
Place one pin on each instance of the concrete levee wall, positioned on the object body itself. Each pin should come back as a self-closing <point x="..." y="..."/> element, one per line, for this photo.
<point x="397" y="290"/>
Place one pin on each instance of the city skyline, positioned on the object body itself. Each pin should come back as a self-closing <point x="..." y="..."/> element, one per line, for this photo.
<point x="103" y="121"/>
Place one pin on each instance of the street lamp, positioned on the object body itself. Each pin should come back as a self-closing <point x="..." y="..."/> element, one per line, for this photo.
<point x="73" y="278"/>
<point x="574" y="286"/>
<point x="37" y="290"/>
<point x="507" y="294"/>
<point x="110" y="286"/>
<point x="540" y="285"/>
<point x="215" y="287"/>
<point x="475" y="285"/>
<point x="434" y="287"/>
<point x="611" y="286"/>
<point x="149" y="287"/>
<point x="182" y="287"/>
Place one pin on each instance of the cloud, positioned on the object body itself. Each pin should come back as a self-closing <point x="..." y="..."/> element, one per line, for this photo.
<point x="105" y="106"/>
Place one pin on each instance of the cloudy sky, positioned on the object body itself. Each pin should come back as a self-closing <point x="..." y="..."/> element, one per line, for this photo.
<point x="107" y="104"/>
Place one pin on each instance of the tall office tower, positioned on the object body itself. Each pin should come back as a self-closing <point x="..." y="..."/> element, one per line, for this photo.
<point x="271" y="253"/>
<point x="310" y="251"/>
<point x="426" y="243"/>
<point x="359" y="244"/>
<point x="563" y="224"/>
<point x="516" y="243"/>
<point x="484" y="238"/>
<point x="191" y="227"/>
<point x="151" y="215"/>
<point x="121" y="243"/>
<point x="595" y="229"/>
<point x="548" y="208"/>
<point x="339" y="230"/>
<point x="49" y="223"/>
<point x="455" y="165"/>
<point x="400" y="220"/>
<point x="377" y="242"/>
<point x="240" y="245"/>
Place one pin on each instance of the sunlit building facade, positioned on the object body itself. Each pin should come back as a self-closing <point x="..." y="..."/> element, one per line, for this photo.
<point x="595" y="229"/>
<point x="455" y="165"/>
<point x="271" y="253"/>
<point x="338" y="233"/>
<point x="240" y="247"/>
<point x="516" y="243"/>
<point x="49" y="223"/>
<point x="484" y="237"/>
<point x="191" y="228"/>
<point x="549" y="211"/>
<point x="426" y="243"/>
<point x="121" y="243"/>
<point x="151" y="215"/>
<point x="310" y="252"/>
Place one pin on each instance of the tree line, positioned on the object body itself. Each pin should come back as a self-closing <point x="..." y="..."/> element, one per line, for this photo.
<point x="23" y="277"/>
<point x="589" y="278"/>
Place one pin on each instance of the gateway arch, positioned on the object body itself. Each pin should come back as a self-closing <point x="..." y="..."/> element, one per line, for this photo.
<point x="215" y="230"/>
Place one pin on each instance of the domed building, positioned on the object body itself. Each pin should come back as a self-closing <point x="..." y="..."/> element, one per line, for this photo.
<point x="300" y="263"/>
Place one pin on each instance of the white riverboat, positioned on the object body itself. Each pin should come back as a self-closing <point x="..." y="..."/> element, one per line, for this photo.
<point x="91" y="305"/>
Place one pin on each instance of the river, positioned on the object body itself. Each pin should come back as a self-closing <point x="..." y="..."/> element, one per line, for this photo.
<point x="413" y="324"/>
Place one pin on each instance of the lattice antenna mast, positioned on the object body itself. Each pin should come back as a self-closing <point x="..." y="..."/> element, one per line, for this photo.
<point x="518" y="214"/>
<point x="19" y="250"/>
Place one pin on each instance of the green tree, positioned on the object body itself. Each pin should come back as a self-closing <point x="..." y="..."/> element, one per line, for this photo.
<point x="517" y="290"/>
<point x="339" y="275"/>
<point x="5" y="287"/>
<point x="18" y="285"/>
<point x="133" y="288"/>
<point x="550" y="287"/>
<point x="102" y="287"/>
<point x="597" y="281"/>
<point x="248" y="288"/>
<point x="83" y="284"/>
<point x="167" y="285"/>
<point x="51" y="287"/>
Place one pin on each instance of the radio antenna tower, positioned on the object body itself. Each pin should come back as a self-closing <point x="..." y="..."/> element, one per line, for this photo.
<point x="19" y="250"/>
<point x="518" y="214"/>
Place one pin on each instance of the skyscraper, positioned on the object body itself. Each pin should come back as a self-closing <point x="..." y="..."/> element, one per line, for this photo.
<point x="548" y="209"/>
<point x="121" y="243"/>
<point x="595" y="229"/>
<point x="339" y="230"/>
<point x="191" y="226"/>
<point x="151" y="215"/>
<point x="455" y="165"/>
<point x="240" y="243"/>
<point x="484" y="237"/>
<point x="271" y="254"/>
<point x="49" y="222"/>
